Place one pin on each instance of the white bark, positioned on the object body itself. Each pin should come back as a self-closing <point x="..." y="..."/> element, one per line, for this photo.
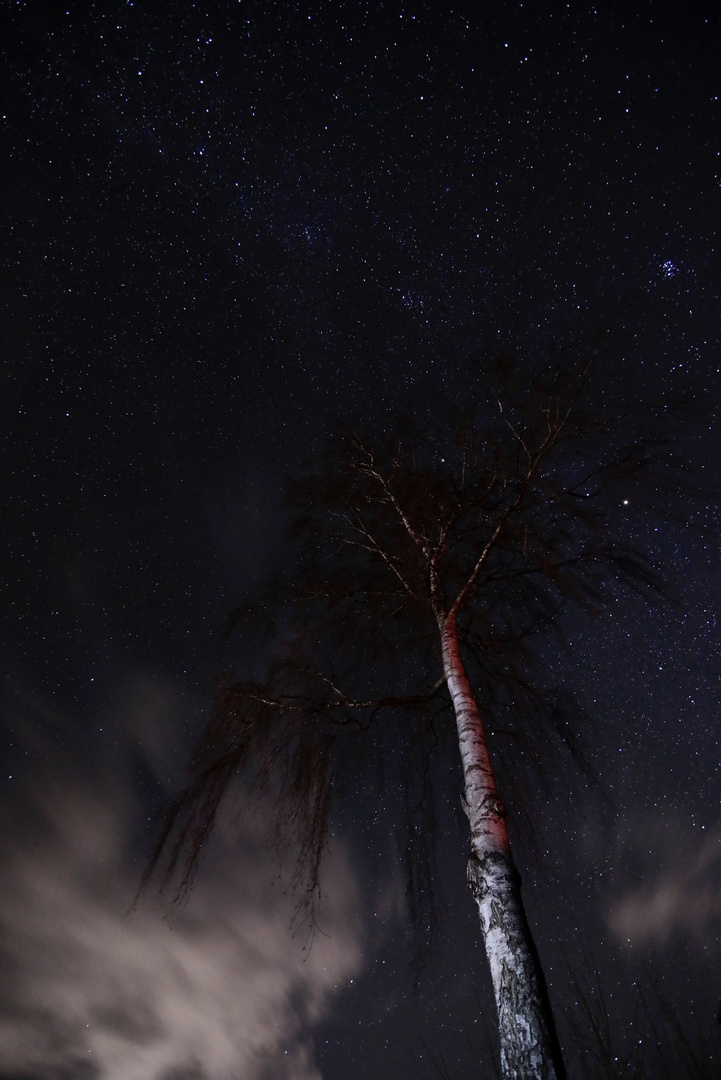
<point x="529" y="1046"/>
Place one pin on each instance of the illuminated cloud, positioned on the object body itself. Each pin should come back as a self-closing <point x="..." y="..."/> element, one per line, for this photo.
<point x="219" y="991"/>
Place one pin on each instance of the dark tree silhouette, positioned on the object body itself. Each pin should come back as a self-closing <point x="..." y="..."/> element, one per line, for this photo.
<point x="440" y="554"/>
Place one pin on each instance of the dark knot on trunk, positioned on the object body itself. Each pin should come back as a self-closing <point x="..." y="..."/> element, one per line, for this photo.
<point x="492" y="874"/>
<point x="491" y="807"/>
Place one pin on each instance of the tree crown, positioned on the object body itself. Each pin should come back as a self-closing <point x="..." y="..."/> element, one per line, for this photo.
<point x="494" y="521"/>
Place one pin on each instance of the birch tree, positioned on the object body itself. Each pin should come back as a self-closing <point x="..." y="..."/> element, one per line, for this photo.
<point x="448" y="550"/>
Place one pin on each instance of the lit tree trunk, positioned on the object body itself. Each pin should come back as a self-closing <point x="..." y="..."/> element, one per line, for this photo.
<point x="529" y="1044"/>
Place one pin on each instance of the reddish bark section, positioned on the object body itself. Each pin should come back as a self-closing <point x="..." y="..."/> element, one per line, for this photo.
<point x="529" y="1044"/>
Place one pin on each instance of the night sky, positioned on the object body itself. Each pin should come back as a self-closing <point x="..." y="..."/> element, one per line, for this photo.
<point x="228" y="228"/>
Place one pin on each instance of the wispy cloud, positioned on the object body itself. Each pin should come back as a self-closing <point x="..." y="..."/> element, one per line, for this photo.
<point x="219" y="990"/>
<point x="681" y="893"/>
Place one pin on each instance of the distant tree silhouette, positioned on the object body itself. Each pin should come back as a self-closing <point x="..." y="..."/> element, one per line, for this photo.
<point x="437" y="553"/>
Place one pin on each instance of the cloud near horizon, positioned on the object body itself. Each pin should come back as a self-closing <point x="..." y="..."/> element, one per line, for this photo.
<point x="217" y="991"/>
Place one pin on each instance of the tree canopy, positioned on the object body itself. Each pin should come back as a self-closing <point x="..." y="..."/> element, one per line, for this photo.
<point x="483" y="528"/>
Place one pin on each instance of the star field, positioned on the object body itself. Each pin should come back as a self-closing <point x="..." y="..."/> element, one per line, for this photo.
<point x="228" y="229"/>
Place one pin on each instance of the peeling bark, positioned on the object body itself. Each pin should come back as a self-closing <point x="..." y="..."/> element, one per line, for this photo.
<point x="529" y="1044"/>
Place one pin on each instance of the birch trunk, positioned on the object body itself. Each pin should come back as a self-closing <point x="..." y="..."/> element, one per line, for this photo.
<point x="529" y="1044"/>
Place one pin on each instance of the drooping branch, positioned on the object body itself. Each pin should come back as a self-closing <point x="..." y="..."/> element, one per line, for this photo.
<point x="274" y="738"/>
<point x="490" y="531"/>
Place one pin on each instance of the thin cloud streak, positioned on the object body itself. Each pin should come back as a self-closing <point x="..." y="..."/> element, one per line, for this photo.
<point x="683" y="898"/>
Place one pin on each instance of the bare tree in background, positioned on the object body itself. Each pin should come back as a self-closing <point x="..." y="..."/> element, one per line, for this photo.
<point x="446" y="550"/>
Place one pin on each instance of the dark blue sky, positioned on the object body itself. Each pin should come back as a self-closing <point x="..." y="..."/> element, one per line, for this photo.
<point x="228" y="228"/>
